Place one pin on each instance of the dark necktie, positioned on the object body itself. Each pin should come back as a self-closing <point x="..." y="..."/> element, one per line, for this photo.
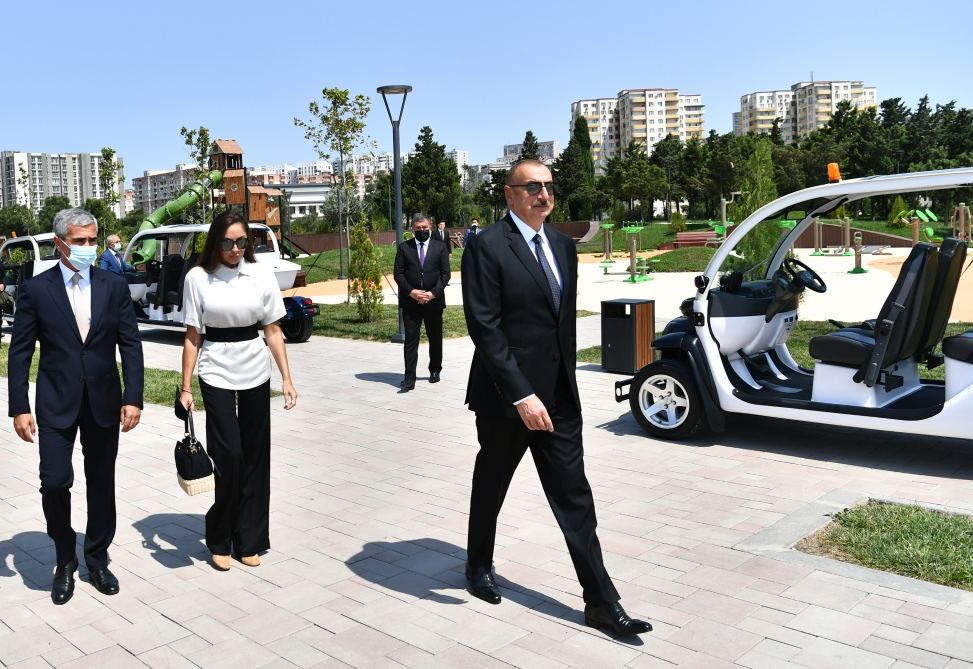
<point x="422" y="254"/>
<point x="548" y="272"/>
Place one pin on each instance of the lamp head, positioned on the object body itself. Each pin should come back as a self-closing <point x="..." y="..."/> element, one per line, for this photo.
<point x="396" y="89"/>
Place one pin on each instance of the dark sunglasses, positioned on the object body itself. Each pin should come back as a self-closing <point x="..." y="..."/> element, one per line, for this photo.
<point x="228" y="244"/>
<point x="534" y="187"/>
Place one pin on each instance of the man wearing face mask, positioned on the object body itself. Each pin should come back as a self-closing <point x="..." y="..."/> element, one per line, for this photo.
<point x="80" y="315"/>
<point x="111" y="259"/>
<point x="422" y="272"/>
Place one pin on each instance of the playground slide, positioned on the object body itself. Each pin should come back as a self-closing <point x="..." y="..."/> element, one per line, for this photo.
<point x="193" y="194"/>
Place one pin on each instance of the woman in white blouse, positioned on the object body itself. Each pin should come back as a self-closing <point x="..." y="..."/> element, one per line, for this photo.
<point x="228" y="299"/>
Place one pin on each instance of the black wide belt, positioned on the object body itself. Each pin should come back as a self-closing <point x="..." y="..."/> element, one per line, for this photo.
<point x="244" y="333"/>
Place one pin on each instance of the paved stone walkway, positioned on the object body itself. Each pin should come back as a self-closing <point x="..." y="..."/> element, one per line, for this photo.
<point x="369" y="512"/>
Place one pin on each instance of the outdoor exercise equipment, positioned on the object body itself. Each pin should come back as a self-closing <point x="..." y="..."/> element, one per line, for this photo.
<point x="843" y="250"/>
<point x="607" y="262"/>
<point x="858" y="269"/>
<point x="636" y="273"/>
<point x="962" y="223"/>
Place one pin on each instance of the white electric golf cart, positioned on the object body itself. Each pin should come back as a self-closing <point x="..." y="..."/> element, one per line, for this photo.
<point x="728" y="352"/>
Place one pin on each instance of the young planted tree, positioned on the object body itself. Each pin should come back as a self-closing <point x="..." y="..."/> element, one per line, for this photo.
<point x="198" y="144"/>
<point x="758" y="189"/>
<point x="336" y="126"/>
<point x="108" y="181"/>
<point x="365" y="274"/>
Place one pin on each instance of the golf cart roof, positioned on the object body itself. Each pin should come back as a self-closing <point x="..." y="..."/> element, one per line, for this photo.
<point x="188" y="228"/>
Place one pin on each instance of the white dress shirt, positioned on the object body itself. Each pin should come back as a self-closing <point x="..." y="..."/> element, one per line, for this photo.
<point x="84" y="285"/>
<point x="233" y="297"/>
<point x="528" y="233"/>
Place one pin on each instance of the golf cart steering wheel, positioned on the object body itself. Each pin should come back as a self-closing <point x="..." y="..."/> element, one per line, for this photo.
<point x="803" y="275"/>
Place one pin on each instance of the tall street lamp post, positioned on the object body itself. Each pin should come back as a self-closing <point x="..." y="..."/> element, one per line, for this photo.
<point x="398" y="337"/>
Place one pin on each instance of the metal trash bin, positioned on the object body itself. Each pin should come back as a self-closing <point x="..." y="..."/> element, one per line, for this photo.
<point x="627" y="331"/>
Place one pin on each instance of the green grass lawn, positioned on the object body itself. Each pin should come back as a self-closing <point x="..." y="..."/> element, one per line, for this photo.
<point x="902" y="539"/>
<point x="324" y="266"/>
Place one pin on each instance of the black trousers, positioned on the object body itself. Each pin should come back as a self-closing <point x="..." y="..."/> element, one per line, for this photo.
<point x="99" y="445"/>
<point x="559" y="458"/>
<point x="238" y="441"/>
<point x="412" y="318"/>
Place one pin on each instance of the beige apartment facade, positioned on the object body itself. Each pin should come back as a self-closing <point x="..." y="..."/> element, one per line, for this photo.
<point x="644" y="115"/>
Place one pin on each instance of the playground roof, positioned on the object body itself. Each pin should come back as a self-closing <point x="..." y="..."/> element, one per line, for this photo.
<point x="227" y="146"/>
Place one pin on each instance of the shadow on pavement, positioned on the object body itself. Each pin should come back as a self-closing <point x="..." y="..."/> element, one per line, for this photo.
<point x="33" y="559"/>
<point x="174" y="539"/>
<point x="905" y="453"/>
<point x="390" y="378"/>
<point x="430" y="569"/>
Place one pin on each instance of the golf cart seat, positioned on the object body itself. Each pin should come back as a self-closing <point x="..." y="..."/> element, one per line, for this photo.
<point x="899" y="329"/>
<point x="167" y="292"/>
<point x="952" y="254"/>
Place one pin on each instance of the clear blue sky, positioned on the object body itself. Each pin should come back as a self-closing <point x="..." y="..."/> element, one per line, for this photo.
<point x="80" y="76"/>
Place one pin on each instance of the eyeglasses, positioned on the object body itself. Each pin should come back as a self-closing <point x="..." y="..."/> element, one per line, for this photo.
<point x="534" y="187"/>
<point x="228" y="244"/>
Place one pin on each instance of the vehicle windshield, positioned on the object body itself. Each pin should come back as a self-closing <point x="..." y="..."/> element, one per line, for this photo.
<point x="752" y="255"/>
<point x="259" y="239"/>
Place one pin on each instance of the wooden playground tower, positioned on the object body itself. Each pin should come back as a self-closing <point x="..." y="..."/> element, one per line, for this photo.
<point x="258" y="203"/>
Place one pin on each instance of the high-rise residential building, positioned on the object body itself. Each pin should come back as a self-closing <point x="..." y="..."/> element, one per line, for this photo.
<point x="548" y="151"/>
<point x="156" y="187"/>
<point x="644" y="115"/>
<point x="760" y="109"/>
<point x="30" y="178"/>
<point x="806" y="107"/>
<point x="602" y="117"/>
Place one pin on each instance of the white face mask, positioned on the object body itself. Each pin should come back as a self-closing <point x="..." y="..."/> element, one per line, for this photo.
<point x="117" y="246"/>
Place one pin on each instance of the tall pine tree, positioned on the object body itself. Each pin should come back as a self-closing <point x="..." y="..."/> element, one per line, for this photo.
<point x="430" y="180"/>
<point x="529" y="150"/>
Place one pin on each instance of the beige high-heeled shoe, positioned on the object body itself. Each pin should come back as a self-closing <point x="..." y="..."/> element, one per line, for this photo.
<point x="250" y="560"/>
<point x="221" y="562"/>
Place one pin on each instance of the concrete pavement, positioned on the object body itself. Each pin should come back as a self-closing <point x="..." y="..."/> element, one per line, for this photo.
<point x="368" y="523"/>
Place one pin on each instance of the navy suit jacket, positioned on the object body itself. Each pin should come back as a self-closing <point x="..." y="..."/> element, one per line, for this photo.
<point x="112" y="263"/>
<point x="68" y="366"/>
<point x="523" y="346"/>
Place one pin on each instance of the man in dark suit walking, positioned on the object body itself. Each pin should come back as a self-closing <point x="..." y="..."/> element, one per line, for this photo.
<point x="80" y="315"/>
<point x="422" y="272"/>
<point x="111" y="259"/>
<point x="519" y="293"/>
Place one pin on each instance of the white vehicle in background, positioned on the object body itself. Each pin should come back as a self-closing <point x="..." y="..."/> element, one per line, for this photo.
<point x="156" y="286"/>
<point x="727" y="353"/>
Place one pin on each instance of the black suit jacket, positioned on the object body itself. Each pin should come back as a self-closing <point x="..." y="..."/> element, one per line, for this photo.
<point x="68" y="365"/>
<point x="442" y="236"/>
<point x="432" y="276"/>
<point x="522" y="346"/>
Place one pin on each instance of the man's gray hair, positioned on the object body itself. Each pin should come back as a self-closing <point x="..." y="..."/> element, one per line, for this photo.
<point x="419" y="218"/>
<point x="74" y="216"/>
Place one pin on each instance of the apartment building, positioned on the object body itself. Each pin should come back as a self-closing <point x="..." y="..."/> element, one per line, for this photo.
<point x="29" y="178"/>
<point x="645" y="115"/>
<point x="156" y="187"/>
<point x="602" y="117"/>
<point x="548" y="151"/>
<point x="806" y="107"/>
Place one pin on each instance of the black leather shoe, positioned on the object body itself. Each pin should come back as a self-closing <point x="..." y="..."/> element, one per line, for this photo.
<point x="480" y="584"/>
<point x="63" y="588"/>
<point x="407" y="384"/>
<point x="612" y="617"/>
<point x="104" y="581"/>
<point x="433" y="377"/>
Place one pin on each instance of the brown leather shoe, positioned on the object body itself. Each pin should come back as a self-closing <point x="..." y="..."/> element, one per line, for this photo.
<point x="221" y="562"/>
<point x="250" y="560"/>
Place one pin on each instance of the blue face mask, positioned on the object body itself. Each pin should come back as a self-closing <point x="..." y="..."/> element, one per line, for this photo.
<point x="82" y="256"/>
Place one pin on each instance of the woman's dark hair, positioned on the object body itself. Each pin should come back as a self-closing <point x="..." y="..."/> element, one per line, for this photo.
<point x="211" y="256"/>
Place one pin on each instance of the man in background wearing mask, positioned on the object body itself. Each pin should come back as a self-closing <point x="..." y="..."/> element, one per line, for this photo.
<point x="111" y="259"/>
<point x="80" y="315"/>
<point x="422" y="272"/>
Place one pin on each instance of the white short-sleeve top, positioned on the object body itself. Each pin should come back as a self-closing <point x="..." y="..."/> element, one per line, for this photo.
<point x="233" y="297"/>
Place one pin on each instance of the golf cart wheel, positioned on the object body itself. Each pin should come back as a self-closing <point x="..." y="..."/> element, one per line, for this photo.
<point x="297" y="330"/>
<point x="665" y="401"/>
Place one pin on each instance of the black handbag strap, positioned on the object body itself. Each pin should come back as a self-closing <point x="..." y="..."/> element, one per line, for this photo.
<point x="189" y="425"/>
